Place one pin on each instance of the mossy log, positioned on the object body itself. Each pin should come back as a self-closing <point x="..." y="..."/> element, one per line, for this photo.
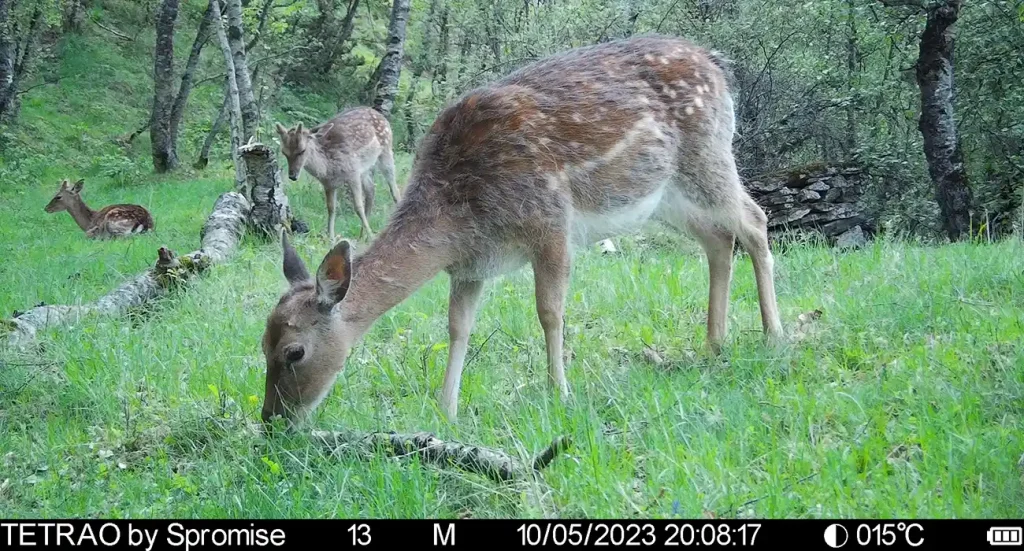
<point x="219" y="237"/>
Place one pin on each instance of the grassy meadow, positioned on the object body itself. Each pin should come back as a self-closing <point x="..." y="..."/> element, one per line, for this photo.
<point x="904" y="398"/>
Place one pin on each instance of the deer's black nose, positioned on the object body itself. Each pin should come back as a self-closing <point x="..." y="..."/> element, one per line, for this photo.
<point x="294" y="353"/>
<point x="293" y="177"/>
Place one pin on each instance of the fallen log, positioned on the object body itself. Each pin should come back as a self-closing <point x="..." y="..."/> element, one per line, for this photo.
<point x="219" y="237"/>
<point x="494" y="464"/>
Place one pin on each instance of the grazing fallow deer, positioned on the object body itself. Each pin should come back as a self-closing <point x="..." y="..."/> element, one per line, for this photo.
<point x="343" y="152"/>
<point x="110" y="222"/>
<point x="570" y="150"/>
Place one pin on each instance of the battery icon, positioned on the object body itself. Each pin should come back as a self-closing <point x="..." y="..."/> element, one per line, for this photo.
<point x="1001" y="535"/>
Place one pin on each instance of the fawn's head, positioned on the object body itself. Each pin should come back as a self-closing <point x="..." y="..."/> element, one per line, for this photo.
<point x="295" y="144"/>
<point x="303" y="348"/>
<point x="66" y="195"/>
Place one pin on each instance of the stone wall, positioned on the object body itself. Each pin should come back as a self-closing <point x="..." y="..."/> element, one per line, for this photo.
<point x="816" y="198"/>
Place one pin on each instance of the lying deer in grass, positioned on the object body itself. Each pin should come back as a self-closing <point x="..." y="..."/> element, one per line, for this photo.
<point x="344" y="152"/>
<point x="110" y="222"/>
<point x="568" y="151"/>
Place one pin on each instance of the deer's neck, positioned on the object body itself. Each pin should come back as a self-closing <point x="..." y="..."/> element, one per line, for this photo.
<point x="81" y="213"/>
<point x="408" y="253"/>
<point x="316" y="160"/>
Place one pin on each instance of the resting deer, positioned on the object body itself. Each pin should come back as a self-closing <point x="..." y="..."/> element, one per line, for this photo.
<point x="570" y="150"/>
<point x="112" y="221"/>
<point x="343" y="152"/>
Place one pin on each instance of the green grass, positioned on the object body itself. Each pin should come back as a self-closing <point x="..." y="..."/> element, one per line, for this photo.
<point x="904" y="399"/>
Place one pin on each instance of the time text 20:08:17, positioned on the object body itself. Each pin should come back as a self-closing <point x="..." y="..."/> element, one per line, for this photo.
<point x="617" y="534"/>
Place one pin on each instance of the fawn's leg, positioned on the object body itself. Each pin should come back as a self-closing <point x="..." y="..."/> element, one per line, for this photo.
<point x="330" y="194"/>
<point x="551" y="267"/>
<point x="356" y="185"/>
<point x="463" y="301"/>
<point x="753" y="234"/>
<point x="718" y="247"/>
<point x="387" y="166"/>
<point x="369" y="191"/>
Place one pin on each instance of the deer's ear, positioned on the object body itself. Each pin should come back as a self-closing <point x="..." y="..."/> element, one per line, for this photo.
<point x="298" y="128"/>
<point x="78" y="186"/>
<point x="323" y="130"/>
<point x="294" y="268"/>
<point x="334" y="275"/>
<point x="64" y="184"/>
<point x="281" y="129"/>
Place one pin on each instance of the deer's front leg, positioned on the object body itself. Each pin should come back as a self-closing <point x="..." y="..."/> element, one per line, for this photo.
<point x="551" y="268"/>
<point x="463" y="301"/>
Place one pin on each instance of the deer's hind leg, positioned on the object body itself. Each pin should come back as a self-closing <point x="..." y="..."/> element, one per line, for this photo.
<point x="711" y="205"/>
<point x="369" y="191"/>
<point x="355" y="184"/>
<point x="386" y="164"/>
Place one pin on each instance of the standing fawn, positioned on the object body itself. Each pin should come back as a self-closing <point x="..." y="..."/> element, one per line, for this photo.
<point x="343" y="152"/>
<point x="573" y="149"/>
<point x="110" y="222"/>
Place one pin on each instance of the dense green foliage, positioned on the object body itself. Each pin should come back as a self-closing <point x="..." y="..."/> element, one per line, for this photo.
<point x="903" y="400"/>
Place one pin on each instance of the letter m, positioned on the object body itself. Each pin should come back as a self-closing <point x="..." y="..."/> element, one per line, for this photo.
<point x="447" y="538"/>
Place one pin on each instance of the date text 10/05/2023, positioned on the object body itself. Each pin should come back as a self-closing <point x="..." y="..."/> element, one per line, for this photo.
<point x="637" y="535"/>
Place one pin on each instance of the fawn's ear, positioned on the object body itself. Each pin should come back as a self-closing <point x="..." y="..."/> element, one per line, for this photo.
<point x="281" y="129"/>
<point x="78" y="186"/>
<point x="294" y="268"/>
<point x="64" y="184"/>
<point x="298" y="128"/>
<point x="334" y="275"/>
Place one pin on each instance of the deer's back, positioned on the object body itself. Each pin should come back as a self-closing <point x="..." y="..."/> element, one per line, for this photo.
<point x="355" y="130"/>
<point x="121" y="220"/>
<point x="595" y="129"/>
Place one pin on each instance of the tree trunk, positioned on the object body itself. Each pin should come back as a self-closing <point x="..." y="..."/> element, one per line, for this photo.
<point x="234" y="107"/>
<point x="246" y="99"/>
<point x="218" y="124"/>
<point x="74" y="15"/>
<point x="164" y="156"/>
<point x="178" y="109"/>
<point x="937" y="125"/>
<point x="6" y="59"/>
<point x="851" y="69"/>
<point x="21" y="61"/>
<point x="332" y="41"/>
<point x="270" y="211"/>
<point x="632" y="14"/>
<point x="441" y="70"/>
<point x="391" y="64"/>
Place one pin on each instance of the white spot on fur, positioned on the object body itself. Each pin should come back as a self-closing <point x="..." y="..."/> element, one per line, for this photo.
<point x="663" y="60"/>
<point x="689" y="109"/>
<point x="698" y="102"/>
<point x="682" y="84"/>
<point x="576" y="117"/>
<point x="649" y="57"/>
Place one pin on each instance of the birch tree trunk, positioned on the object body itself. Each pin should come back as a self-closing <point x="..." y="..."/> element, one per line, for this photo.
<point x="164" y="156"/>
<point x="234" y="109"/>
<point x="937" y="123"/>
<point x="270" y="211"/>
<point x="246" y="99"/>
<point x="6" y="59"/>
<point x="19" y="60"/>
<point x="391" y="64"/>
<point x="181" y="100"/>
